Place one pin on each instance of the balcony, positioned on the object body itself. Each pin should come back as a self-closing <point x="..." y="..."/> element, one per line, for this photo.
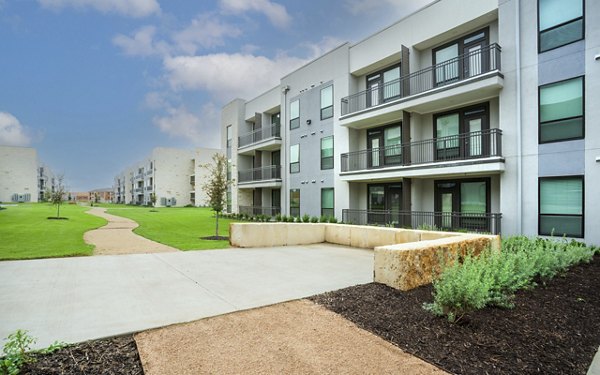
<point x="148" y="188"/>
<point x="271" y="174"/>
<point x="428" y="89"/>
<point x="257" y="210"/>
<point x="139" y="190"/>
<point x="481" y="147"/>
<point x="450" y="221"/>
<point x="139" y="176"/>
<point x="265" y="138"/>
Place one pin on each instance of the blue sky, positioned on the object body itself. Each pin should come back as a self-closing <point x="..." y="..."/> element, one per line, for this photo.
<point x="94" y="85"/>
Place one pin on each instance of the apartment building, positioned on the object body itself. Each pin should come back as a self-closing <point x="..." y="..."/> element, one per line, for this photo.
<point x="23" y="178"/>
<point x="482" y="120"/>
<point x="173" y="176"/>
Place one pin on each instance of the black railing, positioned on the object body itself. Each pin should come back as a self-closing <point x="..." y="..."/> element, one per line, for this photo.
<point x="257" y="210"/>
<point x="451" y="221"/>
<point x="466" y="146"/>
<point x="272" y="172"/>
<point x="465" y="66"/>
<point x="272" y="131"/>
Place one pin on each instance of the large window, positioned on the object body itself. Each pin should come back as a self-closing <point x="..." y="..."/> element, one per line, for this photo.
<point x="561" y="110"/>
<point x="275" y="121"/>
<point x="327" y="199"/>
<point x="294" y="158"/>
<point x="561" y="206"/>
<point x="383" y="86"/>
<point x="327" y="102"/>
<point x="560" y="22"/>
<point x="385" y="146"/>
<point x="295" y="114"/>
<point x="462" y="58"/>
<point x="295" y="202"/>
<point x="327" y="152"/>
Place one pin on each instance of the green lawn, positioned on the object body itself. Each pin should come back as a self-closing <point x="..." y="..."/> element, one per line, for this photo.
<point x="26" y="232"/>
<point x="175" y="226"/>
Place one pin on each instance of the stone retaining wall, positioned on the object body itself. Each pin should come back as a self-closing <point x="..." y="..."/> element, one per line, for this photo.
<point x="404" y="259"/>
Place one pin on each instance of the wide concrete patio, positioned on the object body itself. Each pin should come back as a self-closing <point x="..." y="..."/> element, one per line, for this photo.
<point x="77" y="299"/>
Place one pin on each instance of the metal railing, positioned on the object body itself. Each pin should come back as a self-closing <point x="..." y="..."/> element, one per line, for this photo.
<point x="258" y="210"/>
<point x="139" y="190"/>
<point x="465" y="66"/>
<point x="452" y="221"/>
<point x="271" y="131"/>
<point x="271" y="172"/>
<point x="148" y="188"/>
<point x="466" y="146"/>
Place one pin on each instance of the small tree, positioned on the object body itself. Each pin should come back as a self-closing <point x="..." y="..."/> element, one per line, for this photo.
<point x="215" y="186"/>
<point x="153" y="199"/>
<point x="57" y="196"/>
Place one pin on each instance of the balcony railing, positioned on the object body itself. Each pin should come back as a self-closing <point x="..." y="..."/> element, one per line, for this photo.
<point x="272" y="131"/>
<point x="257" y="210"/>
<point x="272" y="172"/>
<point x="466" y="146"/>
<point x="452" y="221"/>
<point x="148" y="188"/>
<point x="139" y="190"/>
<point x="460" y="68"/>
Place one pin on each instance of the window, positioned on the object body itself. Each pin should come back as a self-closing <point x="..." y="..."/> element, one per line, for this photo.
<point x="327" y="199"/>
<point x="561" y="206"/>
<point x="327" y="102"/>
<point x="384" y="146"/>
<point x="229" y="136"/>
<point x="560" y="22"/>
<point x="463" y="133"/>
<point x="295" y="202"/>
<point x="561" y="110"/>
<point x="275" y="122"/>
<point x="327" y="152"/>
<point x="383" y="86"/>
<point x="295" y="114"/>
<point x="462" y="58"/>
<point x="275" y="118"/>
<point x="294" y="158"/>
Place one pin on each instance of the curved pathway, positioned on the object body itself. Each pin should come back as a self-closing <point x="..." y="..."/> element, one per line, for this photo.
<point x="117" y="237"/>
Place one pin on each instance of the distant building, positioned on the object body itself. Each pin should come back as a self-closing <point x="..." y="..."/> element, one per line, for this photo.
<point x="22" y="177"/>
<point x="173" y="175"/>
<point x="104" y="195"/>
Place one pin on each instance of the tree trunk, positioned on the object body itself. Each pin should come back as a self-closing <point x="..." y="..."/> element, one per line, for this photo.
<point x="217" y="234"/>
<point x="58" y="211"/>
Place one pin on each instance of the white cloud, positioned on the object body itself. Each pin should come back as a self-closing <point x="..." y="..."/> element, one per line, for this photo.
<point x="276" y="13"/>
<point x="228" y="75"/>
<point x="133" y="8"/>
<point x="206" y="30"/>
<point x="323" y="46"/>
<point x="397" y="7"/>
<point x="12" y="132"/>
<point x="203" y="129"/>
<point x="141" y="43"/>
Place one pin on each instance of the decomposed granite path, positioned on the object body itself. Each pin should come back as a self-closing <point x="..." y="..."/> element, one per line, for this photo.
<point x="117" y="237"/>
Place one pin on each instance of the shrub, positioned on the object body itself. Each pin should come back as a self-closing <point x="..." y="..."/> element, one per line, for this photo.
<point x="314" y="219"/>
<point x="469" y="283"/>
<point x="333" y="219"/>
<point x="17" y="351"/>
<point x="278" y="217"/>
<point x="305" y="218"/>
<point x="323" y="219"/>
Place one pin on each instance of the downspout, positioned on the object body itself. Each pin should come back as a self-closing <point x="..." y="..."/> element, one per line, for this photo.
<point x="519" y="124"/>
<point x="284" y="159"/>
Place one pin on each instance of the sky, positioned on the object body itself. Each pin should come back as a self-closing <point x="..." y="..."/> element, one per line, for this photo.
<point x="95" y="85"/>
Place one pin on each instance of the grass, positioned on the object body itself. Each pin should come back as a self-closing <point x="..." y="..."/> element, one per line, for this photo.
<point x="26" y="232"/>
<point x="179" y="227"/>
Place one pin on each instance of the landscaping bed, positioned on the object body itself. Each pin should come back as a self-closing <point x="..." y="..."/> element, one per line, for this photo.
<point x="553" y="328"/>
<point x="117" y="355"/>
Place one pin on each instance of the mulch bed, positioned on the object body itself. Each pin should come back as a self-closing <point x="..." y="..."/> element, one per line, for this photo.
<point x="553" y="329"/>
<point x="117" y="355"/>
<point x="215" y="238"/>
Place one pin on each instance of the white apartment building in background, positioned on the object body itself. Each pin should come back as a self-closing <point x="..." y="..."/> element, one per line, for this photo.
<point x="23" y="178"/>
<point x="467" y="114"/>
<point x="173" y="175"/>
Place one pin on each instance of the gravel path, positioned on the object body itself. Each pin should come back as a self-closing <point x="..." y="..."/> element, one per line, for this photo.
<point x="296" y="337"/>
<point x="117" y="237"/>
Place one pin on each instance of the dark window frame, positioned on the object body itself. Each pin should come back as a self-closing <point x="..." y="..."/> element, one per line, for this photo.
<point x="333" y="206"/>
<point x="461" y="46"/>
<point x="332" y="157"/>
<point x="321" y="102"/>
<point x="297" y="163"/>
<point x="382" y="83"/>
<point x="540" y="179"/>
<point x="540" y="32"/>
<point x="488" y="191"/>
<point x="295" y="122"/>
<point x="295" y="214"/>
<point x="565" y="118"/>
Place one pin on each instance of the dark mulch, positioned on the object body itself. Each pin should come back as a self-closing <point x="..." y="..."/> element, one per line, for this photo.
<point x="553" y="329"/>
<point x="57" y="218"/>
<point x="215" y="238"/>
<point x="117" y="355"/>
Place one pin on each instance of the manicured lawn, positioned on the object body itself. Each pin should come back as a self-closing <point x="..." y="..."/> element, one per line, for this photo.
<point x="26" y="232"/>
<point x="175" y="226"/>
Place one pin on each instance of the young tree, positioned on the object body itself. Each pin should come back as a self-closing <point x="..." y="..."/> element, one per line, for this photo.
<point x="215" y="185"/>
<point x="57" y="196"/>
<point x="153" y="199"/>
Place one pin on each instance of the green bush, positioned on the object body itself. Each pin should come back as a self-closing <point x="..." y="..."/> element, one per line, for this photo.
<point x="323" y="219"/>
<point x="466" y="284"/>
<point x="17" y="351"/>
<point x="305" y="218"/>
<point x="278" y="217"/>
<point x="314" y="219"/>
<point x="332" y="219"/>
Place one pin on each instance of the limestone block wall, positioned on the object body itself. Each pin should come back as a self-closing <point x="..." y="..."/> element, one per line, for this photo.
<point x="403" y="259"/>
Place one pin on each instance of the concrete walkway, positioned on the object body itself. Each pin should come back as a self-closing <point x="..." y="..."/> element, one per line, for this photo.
<point x="117" y="237"/>
<point x="77" y="299"/>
